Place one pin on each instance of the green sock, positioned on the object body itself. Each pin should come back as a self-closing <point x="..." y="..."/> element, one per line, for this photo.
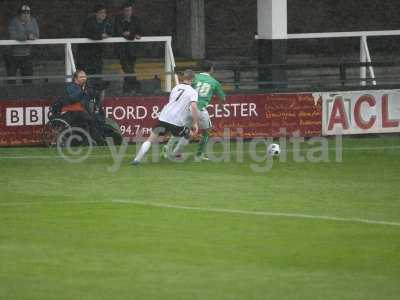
<point x="202" y="144"/>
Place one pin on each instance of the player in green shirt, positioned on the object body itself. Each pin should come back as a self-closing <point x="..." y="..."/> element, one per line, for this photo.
<point x="206" y="86"/>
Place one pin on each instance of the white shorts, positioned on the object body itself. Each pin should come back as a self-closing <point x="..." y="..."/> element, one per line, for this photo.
<point x="204" y="120"/>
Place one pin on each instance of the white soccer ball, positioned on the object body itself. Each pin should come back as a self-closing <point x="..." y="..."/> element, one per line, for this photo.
<point x="273" y="150"/>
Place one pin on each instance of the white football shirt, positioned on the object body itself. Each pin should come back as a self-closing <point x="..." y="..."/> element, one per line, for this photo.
<point x="177" y="110"/>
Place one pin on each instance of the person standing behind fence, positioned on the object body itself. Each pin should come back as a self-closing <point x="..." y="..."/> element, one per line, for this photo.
<point x="4" y="50"/>
<point x="95" y="27"/>
<point x="128" y="26"/>
<point x="23" y="27"/>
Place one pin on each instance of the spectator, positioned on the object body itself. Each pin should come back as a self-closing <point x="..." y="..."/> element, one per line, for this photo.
<point x="128" y="26"/>
<point x="95" y="27"/>
<point x="22" y="28"/>
<point x="76" y="104"/>
<point x="4" y="50"/>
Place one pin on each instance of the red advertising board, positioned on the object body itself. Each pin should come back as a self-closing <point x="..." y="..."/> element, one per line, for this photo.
<point x="21" y="122"/>
<point x="254" y="115"/>
<point x="260" y="115"/>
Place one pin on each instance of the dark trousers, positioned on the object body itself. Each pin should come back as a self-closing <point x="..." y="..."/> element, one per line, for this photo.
<point x="6" y="58"/>
<point x="128" y="66"/>
<point x="22" y="63"/>
<point x="84" y="120"/>
<point x="92" y="64"/>
<point x="90" y="59"/>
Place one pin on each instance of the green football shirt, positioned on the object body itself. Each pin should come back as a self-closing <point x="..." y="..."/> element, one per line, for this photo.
<point x="206" y="86"/>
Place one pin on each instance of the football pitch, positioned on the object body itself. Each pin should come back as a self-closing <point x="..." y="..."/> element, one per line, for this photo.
<point x="209" y="230"/>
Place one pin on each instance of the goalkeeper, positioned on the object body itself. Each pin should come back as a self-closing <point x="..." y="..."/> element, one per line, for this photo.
<point x="206" y="86"/>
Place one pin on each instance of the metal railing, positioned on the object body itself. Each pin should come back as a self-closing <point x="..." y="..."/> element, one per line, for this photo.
<point x="365" y="56"/>
<point x="70" y="66"/>
<point x="315" y="76"/>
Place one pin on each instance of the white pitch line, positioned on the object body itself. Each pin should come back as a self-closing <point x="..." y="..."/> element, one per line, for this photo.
<point x="206" y="209"/>
<point x="55" y="156"/>
<point x="27" y="203"/>
<point x="368" y="148"/>
<point x="257" y="213"/>
<point x="233" y="151"/>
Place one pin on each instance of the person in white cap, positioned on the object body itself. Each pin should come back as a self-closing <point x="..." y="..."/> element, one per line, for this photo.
<point x="23" y="27"/>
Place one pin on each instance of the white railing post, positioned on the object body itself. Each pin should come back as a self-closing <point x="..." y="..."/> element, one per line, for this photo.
<point x="173" y="63"/>
<point x="168" y="67"/>
<point x="365" y="56"/>
<point x="68" y="64"/>
<point x="370" y="67"/>
<point x="71" y="57"/>
<point x="363" y="60"/>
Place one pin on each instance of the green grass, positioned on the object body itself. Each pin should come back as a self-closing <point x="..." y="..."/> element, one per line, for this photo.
<point x="63" y="236"/>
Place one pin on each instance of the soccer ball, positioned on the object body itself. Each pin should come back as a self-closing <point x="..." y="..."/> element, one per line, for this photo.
<point x="273" y="150"/>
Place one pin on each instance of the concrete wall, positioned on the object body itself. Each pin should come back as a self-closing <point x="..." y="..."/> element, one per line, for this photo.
<point x="230" y="28"/>
<point x="342" y="15"/>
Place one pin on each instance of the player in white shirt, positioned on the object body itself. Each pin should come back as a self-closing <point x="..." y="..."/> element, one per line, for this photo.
<point x="182" y="104"/>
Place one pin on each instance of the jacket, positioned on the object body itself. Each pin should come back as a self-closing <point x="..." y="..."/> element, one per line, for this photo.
<point x="76" y="98"/>
<point x="20" y="31"/>
<point x="93" y="30"/>
<point x="134" y="26"/>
